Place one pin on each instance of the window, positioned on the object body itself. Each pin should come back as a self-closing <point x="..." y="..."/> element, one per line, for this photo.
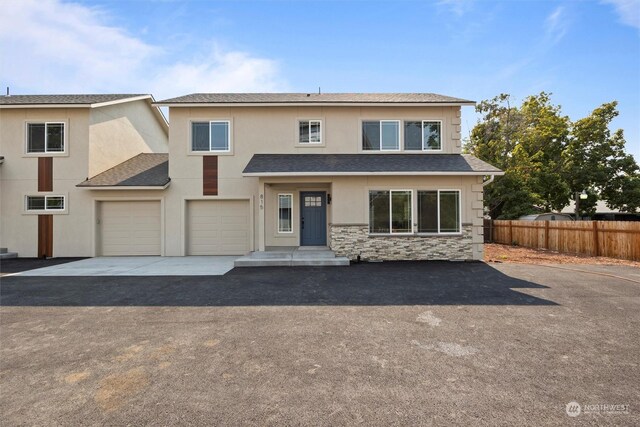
<point x="390" y="211"/>
<point x="45" y="137"/>
<point x="210" y="136"/>
<point x="313" y="201"/>
<point x="381" y="135"/>
<point x="310" y="132"/>
<point x="439" y="211"/>
<point x="45" y="203"/>
<point x="285" y="213"/>
<point x="424" y="135"/>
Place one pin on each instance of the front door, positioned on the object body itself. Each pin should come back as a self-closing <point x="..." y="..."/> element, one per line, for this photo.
<point x="313" y="218"/>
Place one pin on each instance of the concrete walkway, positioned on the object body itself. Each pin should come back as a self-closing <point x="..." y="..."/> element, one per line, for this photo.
<point x="139" y="266"/>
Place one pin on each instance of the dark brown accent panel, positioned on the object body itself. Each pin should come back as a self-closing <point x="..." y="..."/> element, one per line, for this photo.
<point x="45" y="236"/>
<point x="45" y="173"/>
<point x="210" y="175"/>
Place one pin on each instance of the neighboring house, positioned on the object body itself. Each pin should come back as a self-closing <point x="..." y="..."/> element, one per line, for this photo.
<point x="375" y="176"/>
<point x="549" y="216"/>
<point x="51" y="143"/>
<point x="379" y="176"/>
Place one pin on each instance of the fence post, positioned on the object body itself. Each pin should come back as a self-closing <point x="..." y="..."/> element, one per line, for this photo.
<point x="510" y="234"/>
<point x="596" y="242"/>
<point x="546" y="235"/>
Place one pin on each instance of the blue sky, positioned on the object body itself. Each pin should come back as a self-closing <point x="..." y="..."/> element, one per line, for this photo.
<point x="584" y="52"/>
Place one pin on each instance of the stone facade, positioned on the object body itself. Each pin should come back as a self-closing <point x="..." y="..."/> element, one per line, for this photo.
<point x="351" y="240"/>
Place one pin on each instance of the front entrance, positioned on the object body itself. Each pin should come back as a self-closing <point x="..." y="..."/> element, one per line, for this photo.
<point x="313" y="218"/>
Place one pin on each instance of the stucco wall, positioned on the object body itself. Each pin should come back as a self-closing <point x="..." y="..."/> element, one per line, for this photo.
<point x="121" y="131"/>
<point x="73" y="229"/>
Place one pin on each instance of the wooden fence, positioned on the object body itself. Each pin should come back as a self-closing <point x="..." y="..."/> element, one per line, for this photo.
<point x="615" y="239"/>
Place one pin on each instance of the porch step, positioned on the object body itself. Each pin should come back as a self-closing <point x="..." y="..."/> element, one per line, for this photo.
<point x="5" y="254"/>
<point x="291" y="257"/>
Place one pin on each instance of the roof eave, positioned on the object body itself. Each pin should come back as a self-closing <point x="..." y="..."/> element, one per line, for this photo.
<point x="369" y="173"/>
<point x="307" y="104"/>
<point x="124" y="187"/>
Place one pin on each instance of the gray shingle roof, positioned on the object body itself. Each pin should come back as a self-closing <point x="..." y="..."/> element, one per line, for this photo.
<point x="314" y="98"/>
<point x="63" y="99"/>
<point x="364" y="164"/>
<point x="143" y="170"/>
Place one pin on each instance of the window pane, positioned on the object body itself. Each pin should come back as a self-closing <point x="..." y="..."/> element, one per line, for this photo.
<point x="55" y="202"/>
<point x="449" y="212"/>
<point x="200" y="136"/>
<point x="431" y="134"/>
<point x="35" y="203"/>
<point x="219" y="136"/>
<point x="284" y="213"/>
<point x="413" y="135"/>
<point x="378" y="211"/>
<point x="35" y="138"/>
<point x="314" y="131"/>
<point x="370" y="135"/>
<point x="55" y="137"/>
<point x="304" y="132"/>
<point x="427" y="211"/>
<point x="390" y="135"/>
<point x="401" y="211"/>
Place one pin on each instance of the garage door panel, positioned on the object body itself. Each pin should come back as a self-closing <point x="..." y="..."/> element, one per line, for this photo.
<point x="130" y="228"/>
<point x="218" y="227"/>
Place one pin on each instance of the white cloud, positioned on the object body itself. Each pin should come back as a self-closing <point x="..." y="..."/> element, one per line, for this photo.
<point x="628" y="11"/>
<point x="220" y="71"/>
<point x="51" y="46"/>
<point x="556" y="24"/>
<point x="458" y="7"/>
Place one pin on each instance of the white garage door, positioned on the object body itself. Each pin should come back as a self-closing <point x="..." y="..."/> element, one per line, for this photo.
<point x="218" y="227"/>
<point x="129" y="228"/>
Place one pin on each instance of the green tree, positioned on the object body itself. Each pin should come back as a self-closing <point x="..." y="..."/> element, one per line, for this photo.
<point x="596" y="162"/>
<point x="527" y="143"/>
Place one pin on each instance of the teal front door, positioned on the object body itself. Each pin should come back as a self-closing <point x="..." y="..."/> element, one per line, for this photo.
<point x="313" y="218"/>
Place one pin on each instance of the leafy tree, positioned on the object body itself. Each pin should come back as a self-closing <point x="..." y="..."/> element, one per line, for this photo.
<point x="548" y="160"/>
<point x="596" y="162"/>
<point x="526" y="142"/>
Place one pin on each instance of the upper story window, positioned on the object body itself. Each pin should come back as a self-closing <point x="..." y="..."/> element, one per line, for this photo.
<point x="381" y="135"/>
<point x="45" y="137"/>
<point x="422" y="135"/>
<point x="45" y="203"/>
<point x="310" y="132"/>
<point x="210" y="136"/>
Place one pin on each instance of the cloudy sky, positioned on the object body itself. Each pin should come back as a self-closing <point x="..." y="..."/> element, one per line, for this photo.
<point x="584" y="52"/>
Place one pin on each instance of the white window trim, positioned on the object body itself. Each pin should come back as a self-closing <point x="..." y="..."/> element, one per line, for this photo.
<point x="46" y="151"/>
<point x="391" y="232"/>
<point x="290" y="195"/>
<point x="229" y="149"/>
<point x="424" y="148"/>
<point x="400" y="135"/>
<point x="306" y="144"/>
<point x="45" y="210"/>
<point x="447" y="233"/>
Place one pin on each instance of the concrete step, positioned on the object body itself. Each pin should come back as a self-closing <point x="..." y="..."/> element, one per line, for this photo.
<point x="8" y="255"/>
<point x="291" y="257"/>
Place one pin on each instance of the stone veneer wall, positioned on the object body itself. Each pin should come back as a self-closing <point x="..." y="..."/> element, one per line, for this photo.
<point x="351" y="240"/>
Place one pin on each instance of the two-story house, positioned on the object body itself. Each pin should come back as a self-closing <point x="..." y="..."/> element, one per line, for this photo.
<point x="52" y="143"/>
<point x="372" y="176"/>
<point x="375" y="176"/>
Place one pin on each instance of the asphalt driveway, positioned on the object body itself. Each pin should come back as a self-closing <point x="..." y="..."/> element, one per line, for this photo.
<point x="370" y="344"/>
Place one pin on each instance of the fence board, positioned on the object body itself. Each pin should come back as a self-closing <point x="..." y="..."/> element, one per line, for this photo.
<point x="614" y="239"/>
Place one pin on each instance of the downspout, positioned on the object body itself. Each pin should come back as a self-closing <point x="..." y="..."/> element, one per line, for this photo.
<point x="489" y="181"/>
